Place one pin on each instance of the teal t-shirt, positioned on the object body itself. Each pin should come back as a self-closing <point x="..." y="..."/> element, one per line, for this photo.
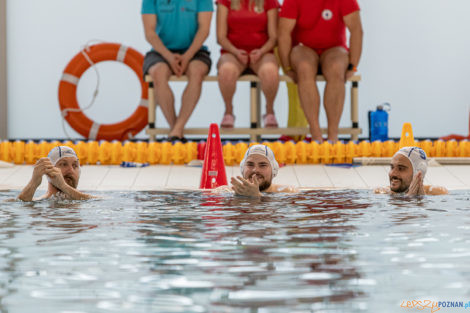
<point x="176" y="20"/>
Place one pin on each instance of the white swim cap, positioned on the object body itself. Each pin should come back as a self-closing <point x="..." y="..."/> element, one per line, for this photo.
<point x="264" y="151"/>
<point x="417" y="157"/>
<point x="60" y="152"/>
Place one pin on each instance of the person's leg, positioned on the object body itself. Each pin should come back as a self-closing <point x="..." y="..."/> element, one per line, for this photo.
<point x="267" y="70"/>
<point x="334" y="63"/>
<point x="229" y="69"/>
<point x="196" y="72"/>
<point x="305" y="64"/>
<point x="164" y="97"/>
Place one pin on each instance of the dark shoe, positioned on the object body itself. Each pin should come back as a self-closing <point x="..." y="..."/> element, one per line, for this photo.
<point x="174" y="139"/>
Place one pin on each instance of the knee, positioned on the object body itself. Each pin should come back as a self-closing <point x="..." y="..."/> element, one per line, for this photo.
<point x="297" y="51"/>
<point x="160" y="73"/>
<point x="269" y="74"/>
<point x="335" y="72"/>
<point x="196" y="73"/>
<point x="306" y="71"/>
<point x="228" y="73"/>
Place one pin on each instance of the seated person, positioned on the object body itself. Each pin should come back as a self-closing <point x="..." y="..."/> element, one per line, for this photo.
<point x="407" y="170"/>
<point x="176" y="30"/>
<point x="258" y="168"/>
<point x="62" y="169"/>
<point x="312" y="38"/>
<point x="247" y="31"/>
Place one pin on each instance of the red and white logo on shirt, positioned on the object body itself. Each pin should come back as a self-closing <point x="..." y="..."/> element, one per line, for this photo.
<point x="327" y="14"/>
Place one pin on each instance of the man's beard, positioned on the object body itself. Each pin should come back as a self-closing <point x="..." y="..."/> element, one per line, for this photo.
<point x="71" y="181"/>
<point x="264" y="186"/>
<point x="401" y="188"/>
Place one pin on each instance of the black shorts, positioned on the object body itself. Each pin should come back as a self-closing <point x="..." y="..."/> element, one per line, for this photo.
<point x="153" y="57"/>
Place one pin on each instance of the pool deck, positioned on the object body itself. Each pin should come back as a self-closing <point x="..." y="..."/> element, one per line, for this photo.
<point x="160" y="177"/>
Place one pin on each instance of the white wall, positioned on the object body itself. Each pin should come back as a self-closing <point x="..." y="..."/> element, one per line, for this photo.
<point x="416" y="56"/>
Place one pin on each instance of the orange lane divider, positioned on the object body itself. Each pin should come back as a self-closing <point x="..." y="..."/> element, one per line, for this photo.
<point x="114" y="152"/>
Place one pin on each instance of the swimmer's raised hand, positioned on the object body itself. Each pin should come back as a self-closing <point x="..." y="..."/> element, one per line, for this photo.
<point x="244" y="187"/>
<point x="56" y="177"/>
<point x="40" y="168"/>
<point x="416" y="186"/>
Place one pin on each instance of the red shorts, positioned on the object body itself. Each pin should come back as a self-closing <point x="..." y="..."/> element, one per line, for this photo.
<point x="319" y="51"/>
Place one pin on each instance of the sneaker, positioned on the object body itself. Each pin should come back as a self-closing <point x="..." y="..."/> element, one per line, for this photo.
<point x="269" y="121"/>
<point x="228" y="121"/>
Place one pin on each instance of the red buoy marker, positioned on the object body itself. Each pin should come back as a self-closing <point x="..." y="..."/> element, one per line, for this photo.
<point x="213" y="169"/>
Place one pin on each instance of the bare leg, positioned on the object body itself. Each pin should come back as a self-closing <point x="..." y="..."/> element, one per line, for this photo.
<point x="334" y="63"/>
<point x="229" y="70"/>
<point x="195" y="72"/>
<point x="164" y="97"/>
<point x="267" y="70"/>
<point x="305" y="63"/>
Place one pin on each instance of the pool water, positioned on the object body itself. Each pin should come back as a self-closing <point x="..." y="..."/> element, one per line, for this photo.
<point x="190" y="251"/>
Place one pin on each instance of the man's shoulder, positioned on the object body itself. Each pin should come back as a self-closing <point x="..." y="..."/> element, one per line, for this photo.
<point x="284" y="188"/>
<point x="435" y="190"/>
<point x="222" y="189"/>
<point x="382" y="190"/>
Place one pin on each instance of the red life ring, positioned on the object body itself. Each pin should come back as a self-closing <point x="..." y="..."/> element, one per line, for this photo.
<point x="68" y="88"/>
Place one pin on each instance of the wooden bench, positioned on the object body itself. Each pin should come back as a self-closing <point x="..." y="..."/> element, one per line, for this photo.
<point x="255" y="130"/>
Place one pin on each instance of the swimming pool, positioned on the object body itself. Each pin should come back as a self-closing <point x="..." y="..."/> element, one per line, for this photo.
<point x="187" y="251"/>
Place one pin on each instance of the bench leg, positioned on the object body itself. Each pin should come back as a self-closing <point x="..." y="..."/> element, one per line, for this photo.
<point x="254" y="108"/>
<point x="355" y="108"/>
<point x="151" y="110"/>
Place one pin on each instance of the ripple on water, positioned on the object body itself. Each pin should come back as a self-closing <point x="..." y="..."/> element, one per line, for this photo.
<point x="319" y="276"/>
<point x="278" y="295"/>
<point x="77" y="294"/>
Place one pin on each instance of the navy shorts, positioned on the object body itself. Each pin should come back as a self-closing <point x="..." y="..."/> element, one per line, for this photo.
<point x="153" y="57"/>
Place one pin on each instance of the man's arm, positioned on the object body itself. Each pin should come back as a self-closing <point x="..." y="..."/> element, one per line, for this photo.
<point x="74" y="194"/>
<point x="150" y="23"/>
<point x="57" y="180"/>
<point x="204" y="25"/>
<point x="40" y="168"/>
<point x="28" y="191"/>
<point x="354" y="25"/>
<point x="284" y="40"/>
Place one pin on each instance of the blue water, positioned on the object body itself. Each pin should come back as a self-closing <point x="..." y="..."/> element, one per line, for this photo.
<point x="318" y="251"/>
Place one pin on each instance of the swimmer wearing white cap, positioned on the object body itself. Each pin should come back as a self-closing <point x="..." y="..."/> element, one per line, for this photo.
<point x="62" y="169"/>
<point x="258" y="168"/>
<point x="407" y="170"/>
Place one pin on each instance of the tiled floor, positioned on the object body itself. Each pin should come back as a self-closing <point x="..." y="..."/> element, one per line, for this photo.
<point x="184" y="177"/>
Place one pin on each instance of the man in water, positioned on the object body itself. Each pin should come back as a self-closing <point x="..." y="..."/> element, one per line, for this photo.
<point x="407" y="170"/>
<point x="258" y="168"/>
<point x="62" y="169"/>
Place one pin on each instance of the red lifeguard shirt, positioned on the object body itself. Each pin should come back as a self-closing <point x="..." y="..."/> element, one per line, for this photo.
<point x="248" y="29"/>
<point x="320" y="23"/>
